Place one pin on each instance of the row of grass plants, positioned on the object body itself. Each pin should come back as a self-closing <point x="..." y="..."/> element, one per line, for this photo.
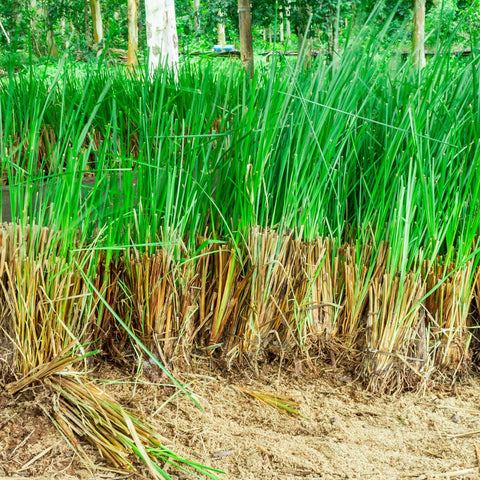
<point x="329" y="212"/>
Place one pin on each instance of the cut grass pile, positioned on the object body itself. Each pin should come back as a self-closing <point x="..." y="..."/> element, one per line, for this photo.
<point x="326" y="212"/>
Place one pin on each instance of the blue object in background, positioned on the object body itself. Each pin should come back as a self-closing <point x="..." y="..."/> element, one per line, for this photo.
<point x="224" y="48"/>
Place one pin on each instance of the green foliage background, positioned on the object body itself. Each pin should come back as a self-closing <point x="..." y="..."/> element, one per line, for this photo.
<point x="68" y="21"/>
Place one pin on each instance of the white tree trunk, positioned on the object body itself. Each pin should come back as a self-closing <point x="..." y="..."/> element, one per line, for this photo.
<point x="288" y="27"/>
<point x="282" y="30"/>
<point x="162" y="39"/>
<point x="221" y="37"/>
<point x="419" y="33"/>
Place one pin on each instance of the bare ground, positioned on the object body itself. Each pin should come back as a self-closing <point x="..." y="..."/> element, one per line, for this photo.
<point x="343" y="432"/>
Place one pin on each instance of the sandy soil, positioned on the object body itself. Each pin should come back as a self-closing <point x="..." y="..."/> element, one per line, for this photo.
<point x="343" y="432"/>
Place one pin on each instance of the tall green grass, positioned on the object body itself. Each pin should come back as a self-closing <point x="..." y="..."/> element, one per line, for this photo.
<point x="334" y="206"/>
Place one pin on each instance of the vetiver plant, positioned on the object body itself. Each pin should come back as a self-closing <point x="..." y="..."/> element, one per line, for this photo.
<point x="330" y="212"/>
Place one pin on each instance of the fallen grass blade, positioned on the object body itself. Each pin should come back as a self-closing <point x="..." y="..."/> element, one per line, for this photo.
<point x="282" y="403"/>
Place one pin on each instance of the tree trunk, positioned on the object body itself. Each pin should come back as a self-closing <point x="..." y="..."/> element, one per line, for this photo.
<point x="300" y="40"/>
<point x="33" y="24"/>
<point x="288" y="26"/>
<point x="281" y="28"/>
<point x="418" y="36"/>
<point x="96" y="21"/>
<point x="162" y="39"/>
<point x="33" y="12"/>
<point x="52" y="49"/>
<point x="85" y="17"/>
<point x="132" y="60"/>
<point x="52" y="45"/>
<point x="267" y="32"/>
<point x="196" y="14"/>
<point x="221" y="37"/>
<point x="336" y="29"/>
<point x="246" y="39"/>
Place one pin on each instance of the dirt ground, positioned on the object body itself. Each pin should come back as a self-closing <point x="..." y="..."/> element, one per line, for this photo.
<point x="343" y="432"/>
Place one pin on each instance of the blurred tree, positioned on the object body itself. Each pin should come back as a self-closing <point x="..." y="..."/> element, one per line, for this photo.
<point x="196" y="14"/>
<point x="221" y="36"/>
<point x="96" y="21"/>
<point x="132" y="13"/>
<point x="418" y="37"/>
